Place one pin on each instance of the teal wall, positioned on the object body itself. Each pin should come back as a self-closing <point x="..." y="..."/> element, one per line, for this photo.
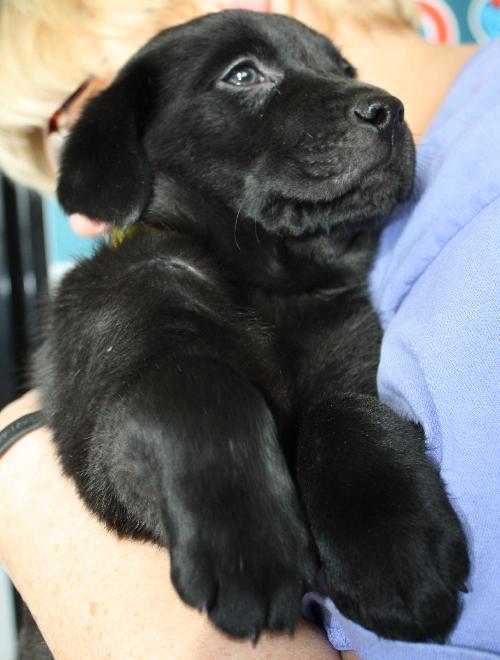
<point x="62" y="245"/>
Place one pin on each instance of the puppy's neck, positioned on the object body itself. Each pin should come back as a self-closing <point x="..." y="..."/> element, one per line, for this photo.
<point x="279" y="266"/>
<point x="256" y="259"/>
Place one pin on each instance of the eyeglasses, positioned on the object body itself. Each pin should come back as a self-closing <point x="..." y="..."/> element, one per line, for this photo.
<point x="55" y="122"/>
<point x="59" y="124"/>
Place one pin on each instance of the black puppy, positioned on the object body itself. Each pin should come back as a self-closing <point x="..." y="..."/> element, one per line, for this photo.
<point x="211" y="381"/>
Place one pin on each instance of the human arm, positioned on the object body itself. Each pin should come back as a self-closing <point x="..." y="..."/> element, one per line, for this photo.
<point x="93" y="594"/>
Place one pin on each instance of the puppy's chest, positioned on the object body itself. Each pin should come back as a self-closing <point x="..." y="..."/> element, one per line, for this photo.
<point x="330" y="327"/>
<point x="299" y="322"/>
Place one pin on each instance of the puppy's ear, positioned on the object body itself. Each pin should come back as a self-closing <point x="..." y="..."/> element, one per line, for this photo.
<point x="104" y="170"/>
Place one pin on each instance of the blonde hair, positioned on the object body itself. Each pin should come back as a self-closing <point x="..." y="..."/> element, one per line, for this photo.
<point x="48" y="47"/>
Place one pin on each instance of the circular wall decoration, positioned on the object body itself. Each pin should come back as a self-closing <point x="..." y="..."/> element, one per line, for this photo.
<point x="438" y="22"/>
<point x="484" y="19"/>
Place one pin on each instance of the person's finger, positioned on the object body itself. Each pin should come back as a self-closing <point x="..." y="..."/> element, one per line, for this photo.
<point x="84" y="226"/>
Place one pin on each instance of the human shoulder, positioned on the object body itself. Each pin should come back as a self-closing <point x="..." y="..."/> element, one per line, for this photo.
<point x="458" y="180"/>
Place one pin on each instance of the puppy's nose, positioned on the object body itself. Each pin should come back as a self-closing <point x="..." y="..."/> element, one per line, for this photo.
<point x="384" y="113"/>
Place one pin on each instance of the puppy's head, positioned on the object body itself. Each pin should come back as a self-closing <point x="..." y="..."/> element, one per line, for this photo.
<point x="255" y="112"/>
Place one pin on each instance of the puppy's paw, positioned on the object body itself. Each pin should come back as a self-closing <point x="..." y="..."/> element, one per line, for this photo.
<point x="399" y="578"/>
<point x="392" y="549"/>
<point x="247" y="580"/>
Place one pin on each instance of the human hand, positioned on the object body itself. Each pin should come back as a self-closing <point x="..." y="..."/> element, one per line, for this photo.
<point x="84" y="226"/>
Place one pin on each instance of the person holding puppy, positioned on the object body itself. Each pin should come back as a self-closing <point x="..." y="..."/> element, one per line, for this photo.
<point x="425" y="370"/>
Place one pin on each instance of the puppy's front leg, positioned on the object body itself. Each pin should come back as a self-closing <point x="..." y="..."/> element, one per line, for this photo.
<point x="193" y="446"/>
<point x="146" y="376"/>
<point x="392" y="549"/>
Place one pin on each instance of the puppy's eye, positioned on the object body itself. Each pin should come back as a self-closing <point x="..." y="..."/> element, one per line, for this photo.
<point x="244" y="74"/>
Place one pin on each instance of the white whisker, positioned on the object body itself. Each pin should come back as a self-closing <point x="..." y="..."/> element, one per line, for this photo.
<point x="257" y="239"/>
<point x="236" y="229"/>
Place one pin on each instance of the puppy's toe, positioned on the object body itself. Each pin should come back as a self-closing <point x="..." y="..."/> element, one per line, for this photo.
<point x="265" y="597"/>
<point x="285" y="607"/>
<point x="240" y="608"/>
<point x="193" y="577"/>
<point x="245" y="585"/>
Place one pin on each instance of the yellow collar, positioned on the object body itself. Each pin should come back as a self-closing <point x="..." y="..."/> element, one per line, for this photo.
<point x="119" y="235"/>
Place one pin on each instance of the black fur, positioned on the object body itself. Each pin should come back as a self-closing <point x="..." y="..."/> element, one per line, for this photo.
<point x="211" y="386"/>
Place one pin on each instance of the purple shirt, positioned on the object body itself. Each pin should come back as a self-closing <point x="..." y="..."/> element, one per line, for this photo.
<point x="436" y="286"/>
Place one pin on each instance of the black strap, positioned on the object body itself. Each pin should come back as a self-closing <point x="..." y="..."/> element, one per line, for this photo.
<point x="13" y="432"/>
